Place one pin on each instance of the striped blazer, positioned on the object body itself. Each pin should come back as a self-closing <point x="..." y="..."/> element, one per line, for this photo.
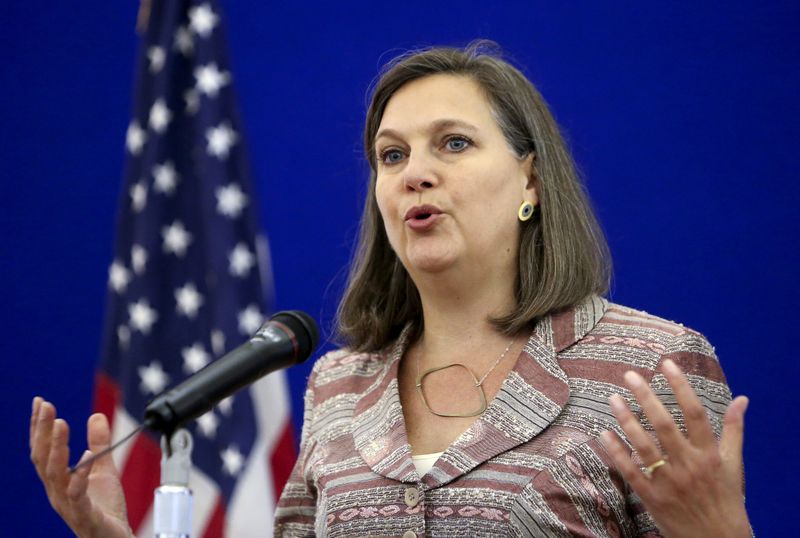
<point x="531" y="465"/>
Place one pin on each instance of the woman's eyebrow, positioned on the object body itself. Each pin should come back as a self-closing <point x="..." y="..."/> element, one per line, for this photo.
<point x="438" y="125"/>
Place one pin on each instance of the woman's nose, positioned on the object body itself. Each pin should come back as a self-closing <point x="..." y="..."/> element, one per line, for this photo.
<point x="417" y="184"/>
<point x="418" y="174"/>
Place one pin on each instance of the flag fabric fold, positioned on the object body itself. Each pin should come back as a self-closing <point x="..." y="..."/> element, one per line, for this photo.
<point x="186" y="284"/>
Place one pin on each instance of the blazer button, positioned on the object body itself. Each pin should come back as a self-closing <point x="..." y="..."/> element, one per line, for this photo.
<point x="412" y="498"/>
<point x="409" y="534"/>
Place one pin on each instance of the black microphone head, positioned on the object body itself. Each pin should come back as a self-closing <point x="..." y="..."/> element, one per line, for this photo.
<point x="304" y="328"/>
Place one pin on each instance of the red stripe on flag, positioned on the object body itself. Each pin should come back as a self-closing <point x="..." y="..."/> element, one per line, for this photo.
<point x="140" y="478"/>
<point x="282" y="458"/>
<point x="216" y="523"/>
<point x="106" y="396"/>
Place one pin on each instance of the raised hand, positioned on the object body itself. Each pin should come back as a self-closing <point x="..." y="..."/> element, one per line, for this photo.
<point x="90" y="500"/>
<point x="692" y="485"/>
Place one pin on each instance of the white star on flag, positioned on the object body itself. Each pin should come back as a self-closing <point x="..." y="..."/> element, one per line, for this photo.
<point x="183" y="40"/>
<point x="232" y="460"/>
<point x="192" y="99"/>
<point x="202" y="20"/>
<point x="189" y="300"/>
<point x="160" y="116"/>
<point x="135" y="138"/>
<point x="241" y="260"/>
<point x="250" y="320"/>
<point x="194" y="358"/>
<point x="210" y="79"/>
<point x="123" y="336"/>
<point x="138" y="196"/>
<point x="142" y="316"/>
<point x="176" y="238"/>
<point x="166" y="178"/>
<point x="230" y="200"/>
<point x="154" y="378"/>
<point x="225" y="405"/>
<point x="156" y="56"/>
<point x="220" y="140"/>
<point x="217" y="342"/>
<point x="118" y="277"/>
<point x="138" y="259"/>
<point x="207" y="424"/>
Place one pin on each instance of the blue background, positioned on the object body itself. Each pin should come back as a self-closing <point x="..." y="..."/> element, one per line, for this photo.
<point x="683" y="118"/>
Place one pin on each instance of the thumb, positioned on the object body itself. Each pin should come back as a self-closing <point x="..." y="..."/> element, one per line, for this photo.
<point x="98" y="433"/>
<point x="732" y="439"/>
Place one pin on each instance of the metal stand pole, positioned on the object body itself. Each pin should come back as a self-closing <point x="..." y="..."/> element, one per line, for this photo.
<point x="172" y="509"/>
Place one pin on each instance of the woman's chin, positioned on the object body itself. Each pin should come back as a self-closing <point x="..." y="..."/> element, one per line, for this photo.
<point x="430" y="262"/>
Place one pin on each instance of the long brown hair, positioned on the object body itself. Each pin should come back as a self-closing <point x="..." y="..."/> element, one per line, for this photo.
<point x="563" y="255"/>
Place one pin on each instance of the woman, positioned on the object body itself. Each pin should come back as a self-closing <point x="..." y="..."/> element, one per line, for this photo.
<point x="486" y="388"/>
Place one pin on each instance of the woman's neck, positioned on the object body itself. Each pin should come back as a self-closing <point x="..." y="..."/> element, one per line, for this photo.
<point x="457" y="317"/>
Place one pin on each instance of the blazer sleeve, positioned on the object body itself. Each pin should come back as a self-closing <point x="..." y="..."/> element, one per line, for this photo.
<point x="296" y="511"/>
<point x="695" y="356"/>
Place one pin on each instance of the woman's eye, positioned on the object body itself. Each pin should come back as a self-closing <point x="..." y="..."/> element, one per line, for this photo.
<point x="457" y="143"/>
<point x="391" y="156"/>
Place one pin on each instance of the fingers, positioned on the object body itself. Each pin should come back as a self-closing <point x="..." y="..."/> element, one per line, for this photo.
<point x="37" y="401"/>
<point x="732" y="439"/>
<point x="668" y="433"/>
<point x="50" y="454"/>
<point x="78" y="484"/>
<point x="77" y="495"/>
<point x="85" y="509"/>
<point x="41" y="438"/>
<point x="698" y="427"/>
<point x="638" y="437"/>
<point x="56" y="469"/>
<point x="630" y="472"/>
<point x="701" y="480"/>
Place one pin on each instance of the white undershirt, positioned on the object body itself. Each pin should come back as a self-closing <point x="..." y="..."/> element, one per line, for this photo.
<point x="424" y="462"/>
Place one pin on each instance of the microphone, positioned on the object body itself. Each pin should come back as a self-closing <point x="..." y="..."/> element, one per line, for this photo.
<point x="286" y="339"/>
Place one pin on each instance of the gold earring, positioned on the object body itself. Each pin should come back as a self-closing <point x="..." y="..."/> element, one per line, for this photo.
<point x="525" y="211"/>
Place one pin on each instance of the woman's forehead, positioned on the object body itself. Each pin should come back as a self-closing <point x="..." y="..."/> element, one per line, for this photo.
<point x="434" y="102"/>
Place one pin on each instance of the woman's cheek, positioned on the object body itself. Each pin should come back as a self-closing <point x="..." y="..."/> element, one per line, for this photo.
<point x="385" y="206"/>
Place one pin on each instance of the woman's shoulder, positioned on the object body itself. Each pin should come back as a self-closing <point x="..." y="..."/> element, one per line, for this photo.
<point x="623" y="338"/>
<point x="627" y="320"/>
<point x="619" y="317"/>
<point x="598" y="321"/>
<point x="642" y="341"/>
<point x="346" y="368"/>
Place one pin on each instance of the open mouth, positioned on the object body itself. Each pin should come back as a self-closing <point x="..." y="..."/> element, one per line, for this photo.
<point x="423" y="218"/>
<point x="422" y="213"/>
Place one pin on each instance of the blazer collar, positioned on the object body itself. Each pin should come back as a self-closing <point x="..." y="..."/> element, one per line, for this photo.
<point x="530" y="398"/>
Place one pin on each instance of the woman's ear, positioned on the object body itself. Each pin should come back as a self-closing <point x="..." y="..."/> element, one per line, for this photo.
<point x="531" y="178"/>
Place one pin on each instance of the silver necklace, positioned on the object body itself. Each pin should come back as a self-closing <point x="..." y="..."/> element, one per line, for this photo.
<point x="478" y="383"/>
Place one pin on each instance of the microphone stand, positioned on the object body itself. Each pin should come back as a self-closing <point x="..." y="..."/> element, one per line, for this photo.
<point x="172" y="507"/>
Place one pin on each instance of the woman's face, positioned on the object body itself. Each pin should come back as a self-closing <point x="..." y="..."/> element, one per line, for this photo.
<point x="448" y="185"/>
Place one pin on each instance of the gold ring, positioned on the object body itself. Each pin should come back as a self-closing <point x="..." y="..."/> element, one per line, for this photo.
<point x="648" y="471"/>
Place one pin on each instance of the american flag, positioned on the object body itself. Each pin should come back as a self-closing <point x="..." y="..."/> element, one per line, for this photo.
<point x="187" y="281"/>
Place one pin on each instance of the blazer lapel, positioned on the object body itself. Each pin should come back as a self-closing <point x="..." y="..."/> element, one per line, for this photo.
<point x="530" y="398"/>
<point x="379" y="429"/>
